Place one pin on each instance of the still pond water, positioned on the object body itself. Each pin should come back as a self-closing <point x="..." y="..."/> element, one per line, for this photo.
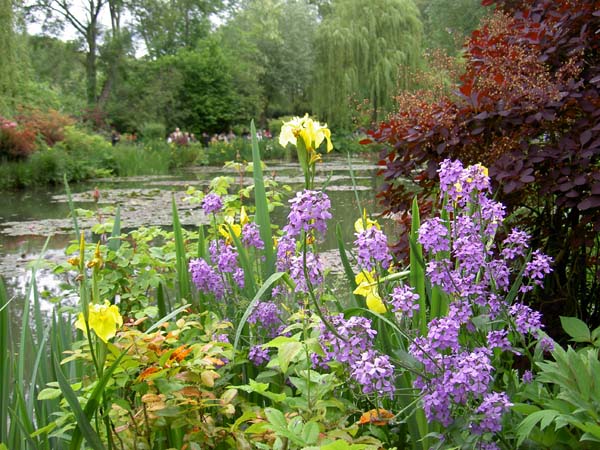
<point x="27" y="218"/>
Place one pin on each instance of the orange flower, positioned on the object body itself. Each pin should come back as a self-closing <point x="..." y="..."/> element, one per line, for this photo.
<point x="379" y="417"/>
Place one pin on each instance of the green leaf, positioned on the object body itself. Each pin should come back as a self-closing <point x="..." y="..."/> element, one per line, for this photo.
<point x="417" y="270"/>
<point x="286" y="353"/>
<point x="545" y="416"/>
<point x="49" y="394"/>
<point x="310" y="433"/>
<point x="279" y="425"/>
<point x="114" y="241"/>
<point x="576" y="328"/>
<point x="277" y="420"/>
<point x="342" y="445"/>
<point x="184" y="291"/>
<point x="83" y="424"/>
<point x="262" y="218"/>
<point x="266" y="286"/>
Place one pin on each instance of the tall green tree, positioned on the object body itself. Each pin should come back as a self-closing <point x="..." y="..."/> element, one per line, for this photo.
<point x="84" y="19"/>
<point x="449" y="22"/>
<point x="192" y="90"/>
<point x="363" y="50"/>
<point x="275" y="40"/>
<point x="8" y="64"/>
<point x="57" y="69"/>
<point x="169" y="25"/>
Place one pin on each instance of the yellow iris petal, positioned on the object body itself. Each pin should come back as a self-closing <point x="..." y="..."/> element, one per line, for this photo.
<point x="367" y="287"/>
<point x="364" y="223"/>
<point x="244" y="219"/>
<point x="103" y="319"/>
<point x="375" y="304"/>
<point x="224" y="231"/>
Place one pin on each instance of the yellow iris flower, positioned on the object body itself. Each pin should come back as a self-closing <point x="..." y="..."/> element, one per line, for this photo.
<point x="312" y="133"/>
<point x="103" y="319"/>
<point x="224" y="231"/>
<point x="364" y="223"/>
<point x="367" y="287"/>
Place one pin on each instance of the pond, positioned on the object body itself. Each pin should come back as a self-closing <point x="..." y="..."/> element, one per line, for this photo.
<point x="27" y="218"/>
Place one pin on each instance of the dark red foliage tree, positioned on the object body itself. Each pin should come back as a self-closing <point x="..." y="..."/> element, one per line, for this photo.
<point x="528" y="107"/>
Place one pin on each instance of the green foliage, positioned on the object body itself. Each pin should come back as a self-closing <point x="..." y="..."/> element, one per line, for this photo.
<point x="169" y="27"/>
<point x="565" y="398"/>
<point x="272" y="44"/>
<point x="58" y="74"/>
<point x="151" y="131"/>
<point x="449" y="22"/>
<point x="362" y="52"/>
<point x="191" y="90"/>
<point x="8" y="56"/>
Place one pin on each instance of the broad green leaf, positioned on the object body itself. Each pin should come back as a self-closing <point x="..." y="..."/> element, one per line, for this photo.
<point x="310" y="433"/>
<point x="49" y="394"/>
<point x="287" y="352"/>
<point x="576" y="328"/>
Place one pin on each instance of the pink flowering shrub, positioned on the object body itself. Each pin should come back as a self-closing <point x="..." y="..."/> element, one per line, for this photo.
<point x="15" y="142"/>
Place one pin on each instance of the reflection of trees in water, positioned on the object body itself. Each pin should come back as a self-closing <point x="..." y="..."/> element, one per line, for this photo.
<point x="53" y="291"/>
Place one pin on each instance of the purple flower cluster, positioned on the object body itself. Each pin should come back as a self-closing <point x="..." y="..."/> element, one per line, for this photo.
<point x="286" y="249"/>
<point x="309" y="211"/>
<point x="458" y="379"/>
<point x="267" y="316"/>
<point x="538" y="267"/>
<point x="491" y="409"/>
<point x="251" y="236"/>
<point x="374" y="373"/>
<point x="225" y="256"/>
<point x="310" y="265"/>
<point x="372" y="248"/>
<point x="433" y="236"/>
<point x="258" y="355"/>
<point x="216" y="278"/>
<point x="526" y="319"/>
<point x="459" y="183"/>
<point x="515" y="244"/>
<point x="476" y="274"/>
<point x="211" y="203"/>
<point x="206" y="278"/>
<point x="404" y="300"/>
<point x="353" y="347"/>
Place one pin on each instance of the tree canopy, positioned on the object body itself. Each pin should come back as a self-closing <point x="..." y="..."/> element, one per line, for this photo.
<point x="277" y="57"/>
<point x="361" y="52"/>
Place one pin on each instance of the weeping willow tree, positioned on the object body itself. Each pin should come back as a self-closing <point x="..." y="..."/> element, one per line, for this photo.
<point x="8" y="63"/>
<point x="364" y="51"/>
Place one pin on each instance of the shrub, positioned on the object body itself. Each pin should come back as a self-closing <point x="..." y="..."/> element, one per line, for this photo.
<point x="49" y="124"/>
<point x="15" y="141"/>
<point x="78" y="141"/>
<point x="526" y="108"/>
<point x="153" y="131"/>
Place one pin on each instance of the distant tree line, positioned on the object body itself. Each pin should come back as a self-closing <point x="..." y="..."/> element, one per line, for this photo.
<point x="207" y="65"/>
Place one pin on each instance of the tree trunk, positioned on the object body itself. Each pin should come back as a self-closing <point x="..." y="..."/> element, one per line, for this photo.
<point x="90" y="64"/>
